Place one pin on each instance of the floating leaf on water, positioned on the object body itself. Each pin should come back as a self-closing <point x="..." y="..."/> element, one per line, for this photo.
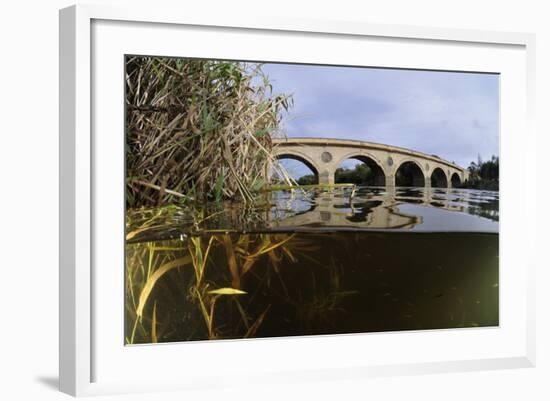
<point x="227" y="291"/>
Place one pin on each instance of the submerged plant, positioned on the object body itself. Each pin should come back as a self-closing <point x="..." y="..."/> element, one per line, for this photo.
<point x="324" y="302"/>
<point x="202" y="282"/>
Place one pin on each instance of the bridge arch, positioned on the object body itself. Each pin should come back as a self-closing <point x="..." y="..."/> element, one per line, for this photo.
<point x="455" y="180"/>
<point x="409" y="174"/>
<point x="372" y="162"/>
<point x="323" y="156"/>
<point x="438" y="178"/>
<point x="290" y="154"/>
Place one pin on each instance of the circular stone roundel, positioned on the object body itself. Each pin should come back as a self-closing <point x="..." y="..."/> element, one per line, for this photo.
<point x="390" y="161"/>
<point x="326" y="157"/>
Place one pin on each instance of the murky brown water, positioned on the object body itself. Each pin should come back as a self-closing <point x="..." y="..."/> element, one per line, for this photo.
<point x="314" y="263"/>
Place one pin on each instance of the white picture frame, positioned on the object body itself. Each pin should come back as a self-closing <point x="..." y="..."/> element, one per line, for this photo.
<point x="82" y="215"/>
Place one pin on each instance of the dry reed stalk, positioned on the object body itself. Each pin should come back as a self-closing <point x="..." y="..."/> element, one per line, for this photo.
<point x="197" y="128"/>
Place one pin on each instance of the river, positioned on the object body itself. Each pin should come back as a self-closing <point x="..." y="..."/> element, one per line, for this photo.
<point x="311" y="262"/>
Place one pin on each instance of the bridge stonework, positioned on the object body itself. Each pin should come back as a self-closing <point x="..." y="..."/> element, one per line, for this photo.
<point x="325" y="155"/>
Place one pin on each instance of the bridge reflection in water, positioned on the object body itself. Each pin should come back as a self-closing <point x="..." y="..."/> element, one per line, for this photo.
<point x="370" y="209"/>
<point x="386" y="208"/>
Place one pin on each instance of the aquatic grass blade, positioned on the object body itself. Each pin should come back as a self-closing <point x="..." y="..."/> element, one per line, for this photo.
<point x="154" y="338"/>
<point x="227" y="291"/>
<point x="155" y="276"/>
<point x="251" y="332"/>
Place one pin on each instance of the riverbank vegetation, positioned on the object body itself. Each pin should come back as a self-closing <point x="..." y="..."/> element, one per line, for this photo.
<point x="483" y="174"/>
<point x="360" y="174"/>
<point x="198" y="132"/>
<point x="197" y="129"/>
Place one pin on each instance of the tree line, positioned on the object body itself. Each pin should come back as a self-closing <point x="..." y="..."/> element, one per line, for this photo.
<point x="483" y="175"/>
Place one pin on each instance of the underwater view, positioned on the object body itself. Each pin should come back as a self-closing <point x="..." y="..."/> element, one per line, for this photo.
<point x="272" y="200"/>
<point x="315" y="262"/>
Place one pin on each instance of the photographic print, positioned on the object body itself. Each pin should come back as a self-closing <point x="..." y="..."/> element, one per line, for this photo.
<point x="276" y="199"/>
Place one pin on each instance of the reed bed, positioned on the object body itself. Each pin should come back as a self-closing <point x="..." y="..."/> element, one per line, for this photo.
<point x="198" y="130"/>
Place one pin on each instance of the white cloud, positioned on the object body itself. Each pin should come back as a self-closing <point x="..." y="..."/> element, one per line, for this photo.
<point x="453" y="115"/>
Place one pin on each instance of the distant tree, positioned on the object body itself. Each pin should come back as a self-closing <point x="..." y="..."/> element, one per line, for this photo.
<point x="361" y="174"/>
<point x="483" y="174"/>
<point x="309" y="179"/>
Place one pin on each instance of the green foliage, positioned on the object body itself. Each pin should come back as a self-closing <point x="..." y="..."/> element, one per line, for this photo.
<point x="218" y="188"/>
<point x="361" y="174"/>
<point x="197" y="129"/>
<point x="308" y="179"/>
<point x="483" y="174"/>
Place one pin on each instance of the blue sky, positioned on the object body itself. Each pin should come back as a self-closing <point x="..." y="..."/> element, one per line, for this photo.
<point x="449" y="114"/>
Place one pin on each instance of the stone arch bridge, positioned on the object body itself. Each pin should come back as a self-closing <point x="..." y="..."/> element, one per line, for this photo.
<point x="324" y="155"/>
